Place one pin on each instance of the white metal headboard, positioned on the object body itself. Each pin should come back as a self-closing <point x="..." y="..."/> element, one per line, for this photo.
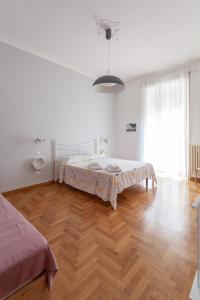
<point x="60" y="150"/>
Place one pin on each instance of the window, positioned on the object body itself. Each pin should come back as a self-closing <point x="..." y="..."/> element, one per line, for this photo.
<point x="166" y="125"/>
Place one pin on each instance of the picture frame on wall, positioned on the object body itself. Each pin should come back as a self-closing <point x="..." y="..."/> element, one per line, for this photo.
<point x="131" y="127"/>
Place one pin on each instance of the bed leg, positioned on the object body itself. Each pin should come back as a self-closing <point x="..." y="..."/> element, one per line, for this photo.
<point x="153" y="182"/>
<point x="147" y="184"/>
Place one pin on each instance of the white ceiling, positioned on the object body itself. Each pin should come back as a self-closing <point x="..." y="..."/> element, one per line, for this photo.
<point x="155" y="34"/>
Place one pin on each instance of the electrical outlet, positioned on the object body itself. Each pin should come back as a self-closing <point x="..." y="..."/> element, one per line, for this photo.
<point x="37" y="153"/>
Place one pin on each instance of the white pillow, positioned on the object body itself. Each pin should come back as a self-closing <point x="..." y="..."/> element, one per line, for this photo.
<point x="75" y="158"/>
<point x="82" y="157"/>
<point x="96" y="156"/>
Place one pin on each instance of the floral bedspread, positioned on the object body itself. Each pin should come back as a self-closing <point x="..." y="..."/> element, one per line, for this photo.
<point x="102" y="183"/>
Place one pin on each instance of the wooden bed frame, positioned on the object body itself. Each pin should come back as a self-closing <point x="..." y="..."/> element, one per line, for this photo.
<point x="36" y="289"/>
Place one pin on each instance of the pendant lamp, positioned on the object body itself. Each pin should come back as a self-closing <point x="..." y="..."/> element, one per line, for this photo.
<point x="108" y="83"/>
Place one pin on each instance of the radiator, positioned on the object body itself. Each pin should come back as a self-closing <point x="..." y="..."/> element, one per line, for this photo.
<point x="194" y="160"/>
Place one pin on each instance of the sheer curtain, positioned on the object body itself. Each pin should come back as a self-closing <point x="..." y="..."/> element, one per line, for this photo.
<point x="166" y="110"/>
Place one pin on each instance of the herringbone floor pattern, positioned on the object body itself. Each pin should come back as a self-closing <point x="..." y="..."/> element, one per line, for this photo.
<point x="145" y="250"/>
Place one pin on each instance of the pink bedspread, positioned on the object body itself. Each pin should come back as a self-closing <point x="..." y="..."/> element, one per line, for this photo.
<point x="24" y="252"/>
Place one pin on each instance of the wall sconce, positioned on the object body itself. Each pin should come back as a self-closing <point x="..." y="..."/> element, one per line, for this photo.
<point x="105" y="140"/>
<point x="39" y="141"/>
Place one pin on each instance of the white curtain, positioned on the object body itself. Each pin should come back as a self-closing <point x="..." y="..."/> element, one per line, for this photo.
<point x="166" y="110"/>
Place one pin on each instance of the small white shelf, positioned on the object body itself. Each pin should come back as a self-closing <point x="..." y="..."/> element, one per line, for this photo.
<point x="38" y="163"/>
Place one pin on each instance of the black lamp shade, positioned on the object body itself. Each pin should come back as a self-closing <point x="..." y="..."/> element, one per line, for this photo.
<point x="108" y="84"/>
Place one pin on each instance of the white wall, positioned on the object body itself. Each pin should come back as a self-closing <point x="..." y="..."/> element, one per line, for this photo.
<point x="41" y="99"/>
<point x="128" y="109"/>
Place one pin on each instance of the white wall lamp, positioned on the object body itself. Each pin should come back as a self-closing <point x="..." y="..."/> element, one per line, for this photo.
<point x="103" y="142"/>
<point x="39" y="140"/>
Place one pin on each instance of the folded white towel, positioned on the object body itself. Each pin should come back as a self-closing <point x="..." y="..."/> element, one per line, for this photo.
<point x="113" y="169"/>
<point x="94" y="166"/>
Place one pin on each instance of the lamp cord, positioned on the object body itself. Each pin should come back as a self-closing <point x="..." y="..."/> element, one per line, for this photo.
<point x="109" y="57"/>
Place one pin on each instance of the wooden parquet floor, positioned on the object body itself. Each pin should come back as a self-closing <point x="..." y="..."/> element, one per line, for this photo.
<point x="144" y="250"/>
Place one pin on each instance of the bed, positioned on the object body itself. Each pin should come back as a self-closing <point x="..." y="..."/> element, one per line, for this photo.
<point x="72" y="167"/>
<point x="25" y="255"/>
